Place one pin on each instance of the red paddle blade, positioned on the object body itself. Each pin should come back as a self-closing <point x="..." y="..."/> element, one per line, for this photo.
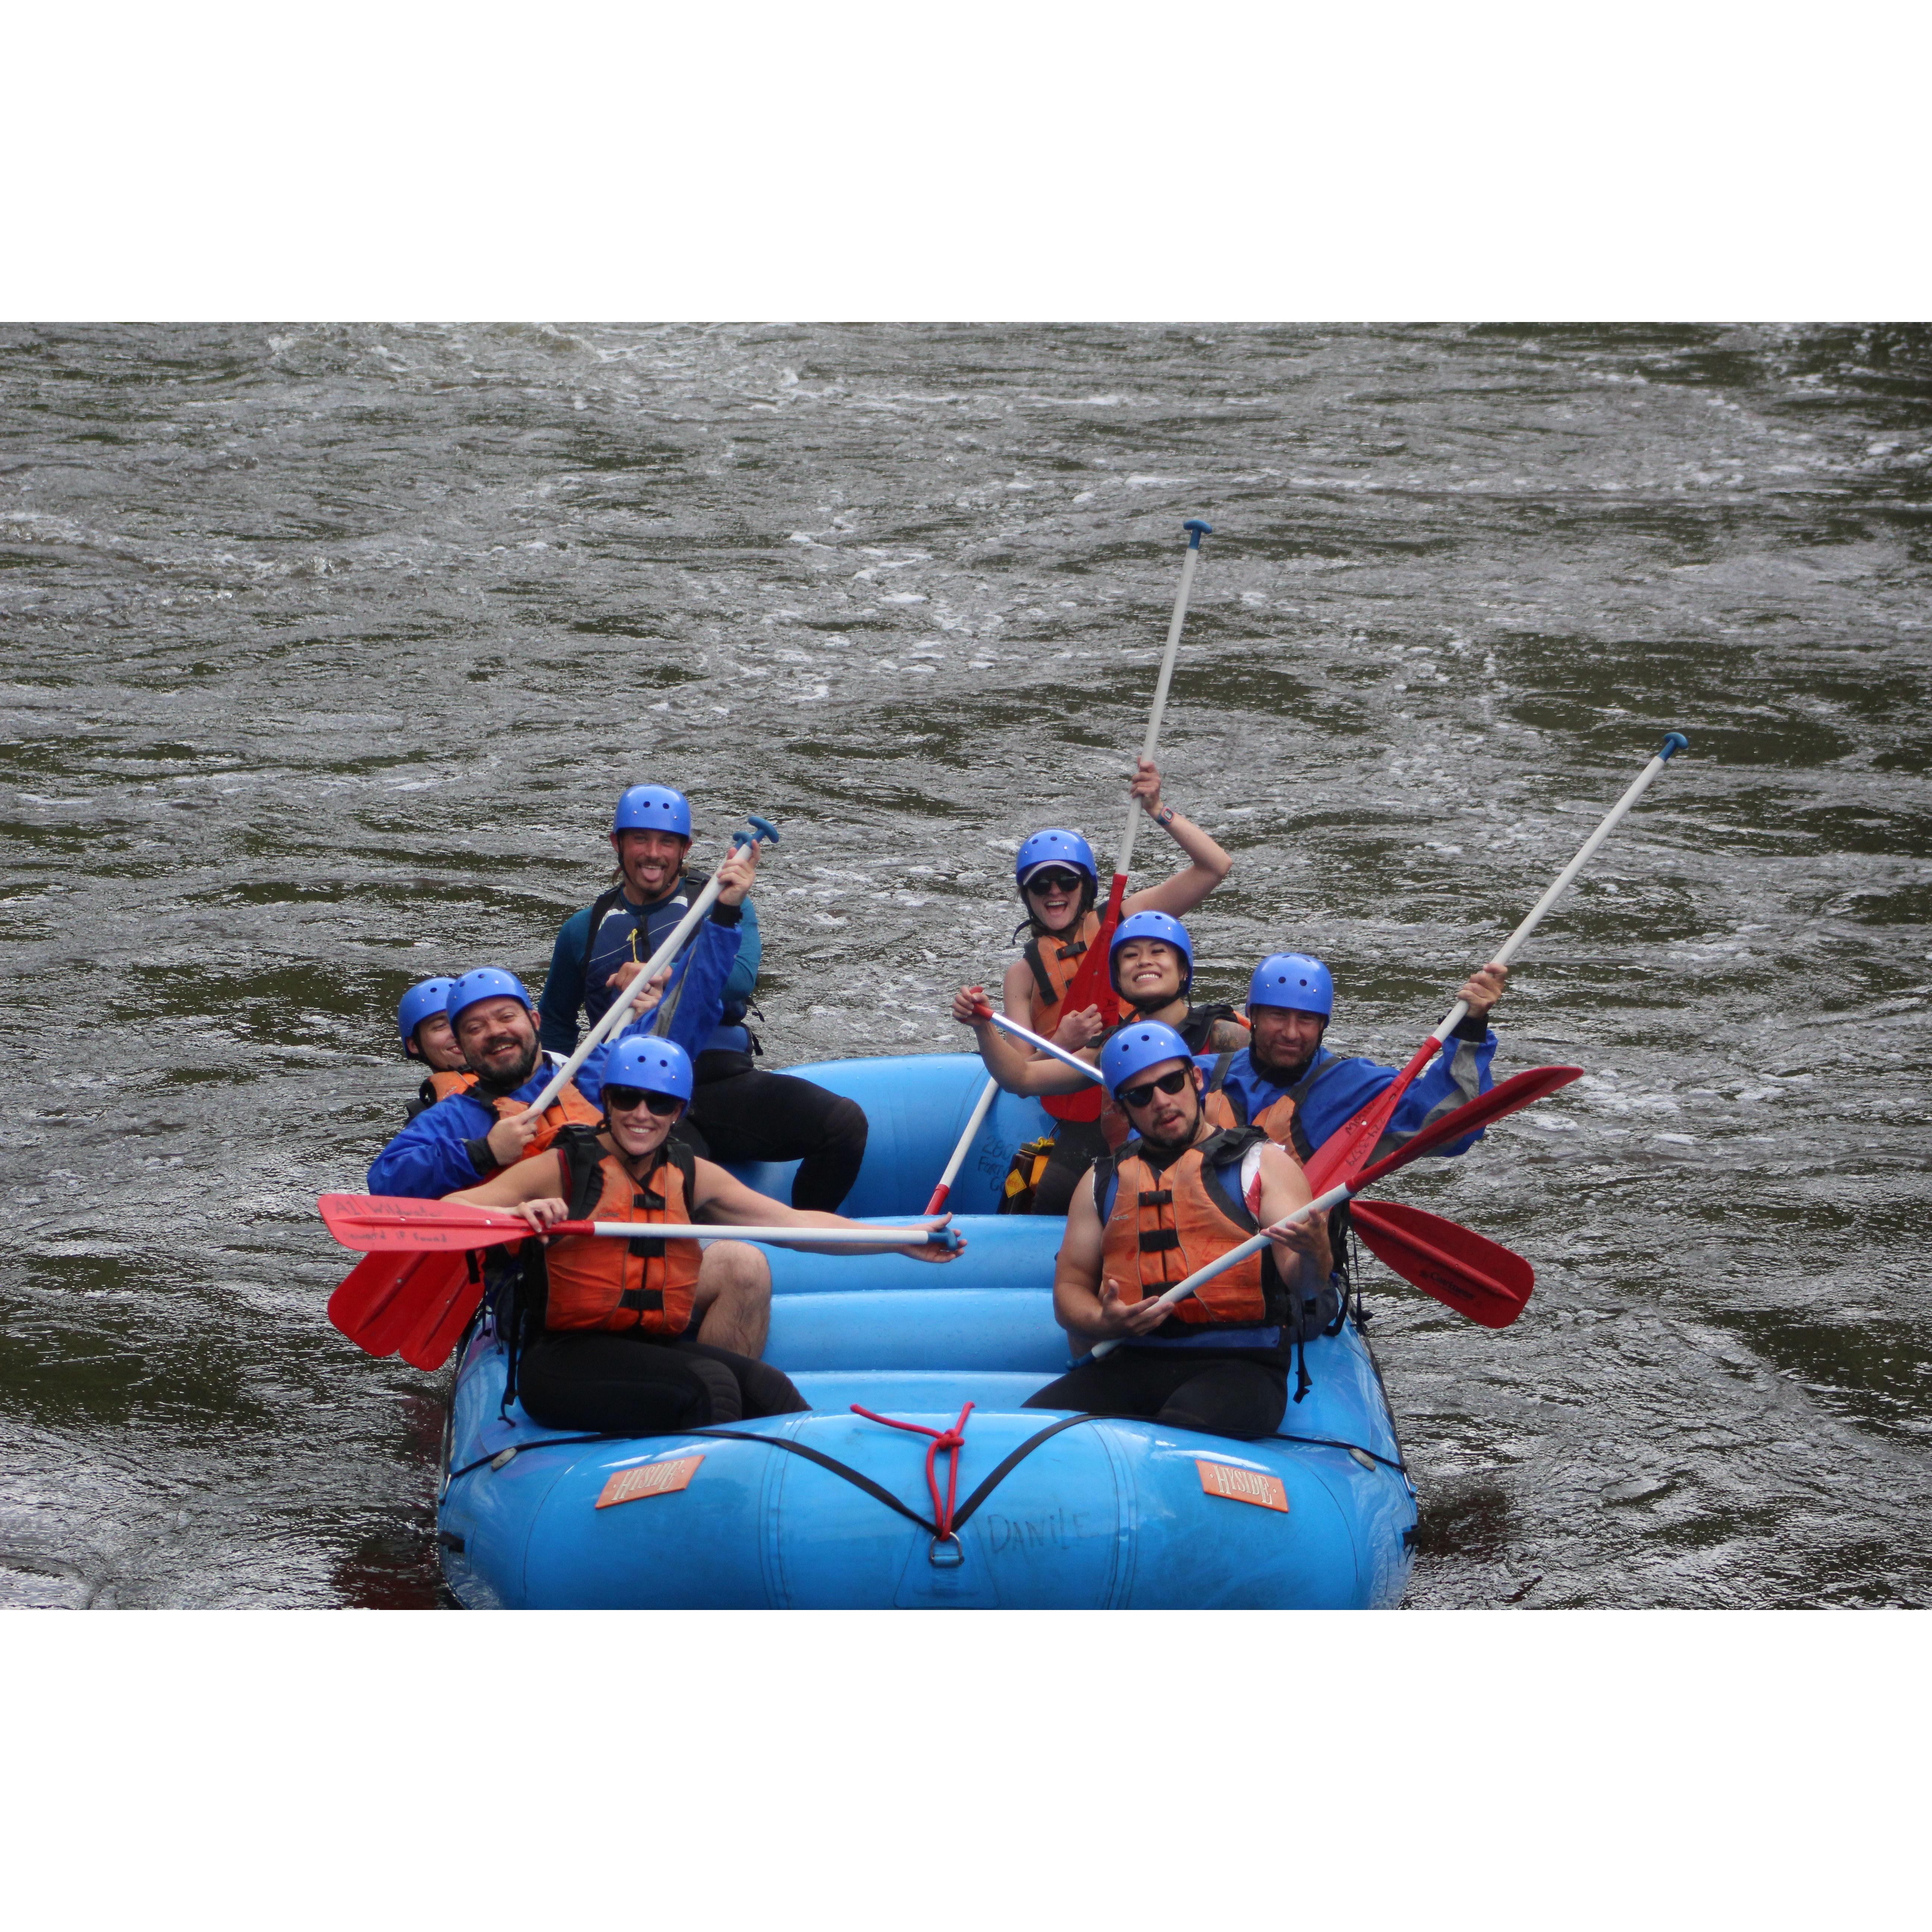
<point x="396" y="1221"/>
<point x="1508" y="1097"/>
<point x="383" y="1297"/>
<point x="1093" y="986"/>
<point x="427" y="1344"/>
<point x="1465" y="1270"/>
<point x="1345" y="1152"/>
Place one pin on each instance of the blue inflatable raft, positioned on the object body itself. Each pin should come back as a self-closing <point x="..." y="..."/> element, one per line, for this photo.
<point x="833" y="1510"/>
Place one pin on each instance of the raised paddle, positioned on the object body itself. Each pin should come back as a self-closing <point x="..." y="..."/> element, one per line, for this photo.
<point x="1519" y="1091"/>
<point x="1092" y="985"/>
<point x="1458" y="1266"/>
<point x="619" y="1009"/>
<point x="383" y="1298"/>
<point x="400" y="1222"/>
<point x="1346" y="1150"/>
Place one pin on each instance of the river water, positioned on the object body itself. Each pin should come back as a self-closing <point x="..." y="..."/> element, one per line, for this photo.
<point x="326" y="650"/>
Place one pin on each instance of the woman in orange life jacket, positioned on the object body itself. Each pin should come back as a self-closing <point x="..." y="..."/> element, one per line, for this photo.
<point x="1058" y="883"/>
<point x="643" y="1337"/>
<point x="1151" y="963"/>
<point x="1173" y="1199"/>
<point x="425" y="1027"/>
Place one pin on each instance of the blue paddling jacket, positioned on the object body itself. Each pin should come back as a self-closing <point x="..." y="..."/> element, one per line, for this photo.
<point x="441" y="1151"/>
<point x="604" y="935"/>
<point x="1334" y="1089"/>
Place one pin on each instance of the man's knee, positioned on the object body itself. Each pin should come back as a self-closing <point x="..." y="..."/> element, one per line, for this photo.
<point x="737" y="1270"/>
<point x="845" y="1125"/>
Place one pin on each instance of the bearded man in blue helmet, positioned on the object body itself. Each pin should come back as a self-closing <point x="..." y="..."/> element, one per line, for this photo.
<point x="1287" y="1082"/>
<point x="737" y="1112"/>
<point x="1175" y="1197"/>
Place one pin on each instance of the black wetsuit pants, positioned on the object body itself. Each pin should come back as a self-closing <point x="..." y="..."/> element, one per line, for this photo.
<point x="633" y="1384"/>
<point x="1240" y="1393"/>
<point x="755" y="1116"/>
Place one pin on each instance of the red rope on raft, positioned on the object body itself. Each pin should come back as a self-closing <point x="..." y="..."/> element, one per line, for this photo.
<point x="952" y="1441"/>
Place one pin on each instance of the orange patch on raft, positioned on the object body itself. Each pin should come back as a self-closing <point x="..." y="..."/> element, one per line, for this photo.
<point x="1243" y="1486"/>
<point x="658" y="1479"/>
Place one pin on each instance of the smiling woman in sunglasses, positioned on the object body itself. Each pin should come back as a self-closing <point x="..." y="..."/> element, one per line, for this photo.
<point x="1059" y="881"/>
<point x="650" y="1335"/>
<point x="1173" y="1198"/>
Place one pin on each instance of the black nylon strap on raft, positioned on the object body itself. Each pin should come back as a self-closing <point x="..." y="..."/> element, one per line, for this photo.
<point x="859" y="1480"/>
<point x="1353" y="1448"/>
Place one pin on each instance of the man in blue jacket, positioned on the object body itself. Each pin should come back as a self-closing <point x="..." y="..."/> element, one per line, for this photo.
<point x="467" y="1137"/>
<point x="736" y="1113"/>
<point x="1287" y="1082"/>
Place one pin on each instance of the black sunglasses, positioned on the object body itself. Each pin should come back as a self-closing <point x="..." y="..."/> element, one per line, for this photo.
<point x="1168" y="1083"/>
<point x="1054" y="882"/>
<point x="625" y="1100"/>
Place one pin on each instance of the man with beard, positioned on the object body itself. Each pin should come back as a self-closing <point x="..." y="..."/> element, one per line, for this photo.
<point x="1286" y="1082"/>
<point x="1175" y="1198"/>
<point x="736" y="1113"/>
<point x="468" y="1136"/>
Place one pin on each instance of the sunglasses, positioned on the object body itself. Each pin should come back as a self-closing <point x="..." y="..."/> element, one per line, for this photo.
<point x="627" y="1099"/>
<point x="1168" y="1083"/>
<point x="1054" y="882"/>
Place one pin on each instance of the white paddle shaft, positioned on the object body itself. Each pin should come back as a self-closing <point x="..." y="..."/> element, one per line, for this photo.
<point x="620" y="1009"/>
<point x="1123" y="858"/>
<point x="715" y="1231"/>
<point x="974" y="1122"/>
<point x="1674" y="743"/>
<point x="1033" y="1039"/>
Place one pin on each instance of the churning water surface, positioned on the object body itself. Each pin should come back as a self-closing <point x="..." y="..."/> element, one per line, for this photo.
<point x="325" y="652"/>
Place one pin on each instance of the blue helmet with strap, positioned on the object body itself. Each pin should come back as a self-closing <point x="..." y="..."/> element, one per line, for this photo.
<point x="1055" y="847"/>
<point x="653" y="808"/>
<point x="1294" y="979"/>
<point x="486" y="982"/>
<point x="1137" y="1046"/>
<point x="1160" y="925"/>
<point x="425" y="997"/>
<point x="657" y="1066"/>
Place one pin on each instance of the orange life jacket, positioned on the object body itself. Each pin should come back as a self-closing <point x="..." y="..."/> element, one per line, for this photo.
<point x="597" y="1281"/>
<point x="444" y="1084"/>
<point x="1054" y="961"/>
<point x="1276" y="1120"/>
<point x="569" y="1109"/>
<point x="1164" y="1222"/>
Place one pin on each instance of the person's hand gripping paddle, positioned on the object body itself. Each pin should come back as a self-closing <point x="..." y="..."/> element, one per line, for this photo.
<point x="1346" y="1151"/>
<point x="1463" y="1269"/>
<point x="1493" y="1303"/>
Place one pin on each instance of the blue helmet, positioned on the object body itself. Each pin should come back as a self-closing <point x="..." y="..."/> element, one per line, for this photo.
<point x="1137" y="1046"/>
<point x="657" y="1066"/>
<point x="424" y="997"/>
<point x="1160" y="925"/>
<point x="1054" y="847"/>
<point x="1296" y="980"/>
<point x="653" y="808"/>
<point x="485" y="982"/>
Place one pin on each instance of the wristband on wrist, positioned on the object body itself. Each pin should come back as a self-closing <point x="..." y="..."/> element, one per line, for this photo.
<point x="1164" y="816"/>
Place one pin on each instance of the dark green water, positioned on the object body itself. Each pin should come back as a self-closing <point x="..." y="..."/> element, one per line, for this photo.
<point x="324" y="652"/>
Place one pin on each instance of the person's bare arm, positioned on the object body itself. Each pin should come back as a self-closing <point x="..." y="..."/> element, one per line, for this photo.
<point x="1208" y="864"/>
<point x="1011" y="1062"/>
<point x="725" y="1200"/>
<point x="1302" y="1251"/>
<point x="533" y="1188"/>
<point x="1087" y="1306"/>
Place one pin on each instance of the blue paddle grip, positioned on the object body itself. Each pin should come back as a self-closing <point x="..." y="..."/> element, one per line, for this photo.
<point x="766" y="829"/>
<point x="1196" y="529"/>
<point x="1672" y="745"/>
